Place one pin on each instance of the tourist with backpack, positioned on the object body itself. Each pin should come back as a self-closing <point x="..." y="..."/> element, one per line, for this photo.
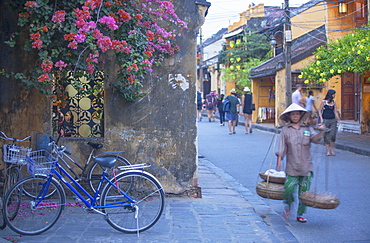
<point x="211" y="104"/>
<point x="220" y="107"/>
<point x="231" y="110"/>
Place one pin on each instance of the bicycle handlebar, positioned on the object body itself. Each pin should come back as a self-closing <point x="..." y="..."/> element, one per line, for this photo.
<point x="57" y="149"/>
<point x="3" y="136"/>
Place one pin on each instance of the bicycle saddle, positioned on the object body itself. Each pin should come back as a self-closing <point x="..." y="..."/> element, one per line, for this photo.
<point x="107" y="162"/>
<point x="95" y="145"/>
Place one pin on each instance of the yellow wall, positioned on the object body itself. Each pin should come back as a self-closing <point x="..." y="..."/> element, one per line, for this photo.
<point x="308" y="20"/>
<point x="256" y="11"/>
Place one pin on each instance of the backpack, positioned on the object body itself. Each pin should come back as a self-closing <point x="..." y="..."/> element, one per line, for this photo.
<point x="227" y="105"/>
<point x="210" y="101"/>
<point x="199" y="98"/>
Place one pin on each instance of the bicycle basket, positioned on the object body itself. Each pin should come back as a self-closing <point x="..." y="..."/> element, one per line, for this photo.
<point x="15" y="154"/>
<point x="39" y="162"/>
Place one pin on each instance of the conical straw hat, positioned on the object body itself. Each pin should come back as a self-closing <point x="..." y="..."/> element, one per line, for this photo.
<point x="294" y="107"/>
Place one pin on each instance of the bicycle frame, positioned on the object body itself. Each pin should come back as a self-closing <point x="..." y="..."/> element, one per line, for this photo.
<point x="93" y="199"/>
<point x="71" y="160"/>
<point x="83" y="169"/>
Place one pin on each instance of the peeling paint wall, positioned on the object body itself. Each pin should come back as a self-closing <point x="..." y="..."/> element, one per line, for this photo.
<point x="159" y="128"/>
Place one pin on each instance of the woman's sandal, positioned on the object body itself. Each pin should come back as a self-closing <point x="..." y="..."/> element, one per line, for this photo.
<point x="301" y="219"/>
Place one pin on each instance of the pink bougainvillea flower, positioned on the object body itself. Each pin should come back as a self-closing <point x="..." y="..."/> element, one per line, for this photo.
<point x="43" y="28"/>
<point x="97" y="34"/>
<point x="60" y="64"/>
<point x="93" y="3"/>
<point x="124" y="16"/>
<point x="108" y="4"/>
<point x="82" y="14"/>
<point x="59" y="16"/>
<point x="104" y="43"/>
<point x="93" y="58"/>
<point x="24" y="15"/>
<point x="109" y="21"/>
<point x="80" y="38"/>
<point x="90" y="68"/>
<point x="35" y="36"/>
<point x="69" y="37"/>
<point x="86" y="26"/>
<point x="37" y="44"/>
<point x="30" y="4"/>
<point x="46" y="66"/>
<point x="43" y="78"/>
<point x="150" y="35"/>
<point x="73" y="45"/>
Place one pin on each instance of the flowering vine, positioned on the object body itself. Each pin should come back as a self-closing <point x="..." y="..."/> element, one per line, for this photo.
<point x="351" y="53"/>
<point x="73" y="35"/>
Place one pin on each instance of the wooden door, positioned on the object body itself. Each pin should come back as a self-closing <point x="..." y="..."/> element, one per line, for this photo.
<point x="350" y="97"/>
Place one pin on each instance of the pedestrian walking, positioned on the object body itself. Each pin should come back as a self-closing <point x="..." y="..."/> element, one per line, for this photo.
<point x="233" y="112"/>
<point x="211" y="103"/>
<point x="310" y="102"/>
<point x="220" y="107"/>
<point x="295" y="142"/>
<point x="297" y="96"/>
<point x="199" y="106"/>
<point x="246" y="110"/>
<point x="329" y="117"/>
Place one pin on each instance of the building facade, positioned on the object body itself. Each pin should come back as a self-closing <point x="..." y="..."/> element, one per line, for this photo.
<point x="159" y="128"/>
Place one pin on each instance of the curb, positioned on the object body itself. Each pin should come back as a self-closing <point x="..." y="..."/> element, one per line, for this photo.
<point x="273" y="220"/>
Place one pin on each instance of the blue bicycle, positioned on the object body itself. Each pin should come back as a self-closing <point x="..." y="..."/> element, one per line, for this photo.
<point x="131" y="201"/>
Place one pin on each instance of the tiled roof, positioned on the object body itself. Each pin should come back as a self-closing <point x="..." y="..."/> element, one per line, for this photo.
<point x="302" y="48"/>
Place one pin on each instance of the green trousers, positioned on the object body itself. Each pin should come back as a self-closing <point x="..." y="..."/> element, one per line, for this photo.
<point x="291" y="182"/>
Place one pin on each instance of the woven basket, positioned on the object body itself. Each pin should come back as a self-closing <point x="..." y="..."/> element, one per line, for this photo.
<point x="275" y="179"/>
<point x="270" y="190"/>
<point x="323" y="200"/>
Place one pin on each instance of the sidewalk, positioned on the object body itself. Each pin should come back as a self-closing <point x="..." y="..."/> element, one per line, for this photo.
<point x="227" y="212"/>
<point x="353" y="142"/>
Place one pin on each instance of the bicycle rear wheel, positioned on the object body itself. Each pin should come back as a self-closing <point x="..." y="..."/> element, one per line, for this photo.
<point x="95" y="171"/>
<point x="13" y="174"/>
<point x="34" y="215"/>
<point x="137" y="216"/>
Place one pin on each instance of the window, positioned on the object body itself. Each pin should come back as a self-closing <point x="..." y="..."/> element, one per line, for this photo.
<point x="296" y="80"/>
<point x="80" y="113"/>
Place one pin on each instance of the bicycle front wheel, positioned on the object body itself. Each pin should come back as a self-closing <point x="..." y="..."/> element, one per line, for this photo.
<point x="137" y="204"/>
<point x="95" y="171"/>
<point x="33" y="215"/>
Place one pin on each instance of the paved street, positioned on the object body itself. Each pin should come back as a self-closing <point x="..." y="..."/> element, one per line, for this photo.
<point x="227" y="212"/>
<point x="243" y="156"/>
<point x="230" y="210"/>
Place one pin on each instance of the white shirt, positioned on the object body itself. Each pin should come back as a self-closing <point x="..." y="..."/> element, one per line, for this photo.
<point x="296" y="97"/>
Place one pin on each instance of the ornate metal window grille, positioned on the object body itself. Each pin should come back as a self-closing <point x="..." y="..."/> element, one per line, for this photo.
<point x="82" y="115"/>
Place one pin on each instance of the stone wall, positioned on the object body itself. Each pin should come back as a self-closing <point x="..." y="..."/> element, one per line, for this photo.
<point x="159" y="129"/>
